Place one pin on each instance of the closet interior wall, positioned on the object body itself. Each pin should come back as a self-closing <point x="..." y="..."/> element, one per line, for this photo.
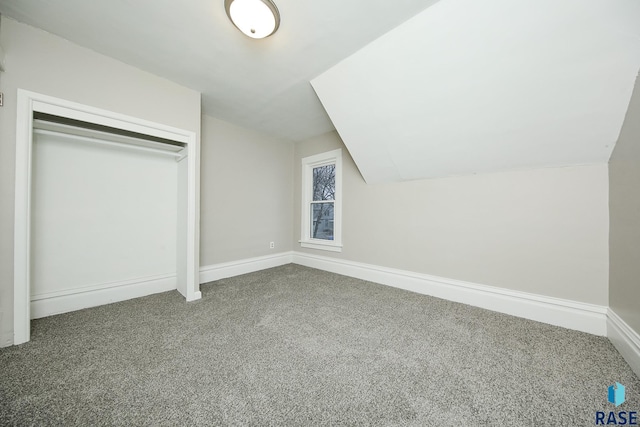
<point x="104" y="214"/>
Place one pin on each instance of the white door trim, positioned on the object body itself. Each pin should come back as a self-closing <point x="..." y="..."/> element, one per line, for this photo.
<point x="30" y="102"/>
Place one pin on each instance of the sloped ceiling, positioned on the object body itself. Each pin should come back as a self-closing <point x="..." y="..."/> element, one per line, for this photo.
<point x="259" y="84"/>
<point x="471" y="86"/>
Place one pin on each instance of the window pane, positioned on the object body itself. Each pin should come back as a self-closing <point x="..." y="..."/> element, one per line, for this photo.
<point x="324" y="182"/>
<point x="322" y="221"/>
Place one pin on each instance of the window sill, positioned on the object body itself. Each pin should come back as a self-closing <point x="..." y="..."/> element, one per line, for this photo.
<point x="332" y="247"/>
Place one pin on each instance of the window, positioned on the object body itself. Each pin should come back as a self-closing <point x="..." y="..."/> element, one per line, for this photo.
<point x="322" y="201"/>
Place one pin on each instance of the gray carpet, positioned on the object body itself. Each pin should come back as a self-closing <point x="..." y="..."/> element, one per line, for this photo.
<point x="298" y="346"/>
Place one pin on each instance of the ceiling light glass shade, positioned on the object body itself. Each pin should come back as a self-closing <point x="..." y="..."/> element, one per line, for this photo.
<point x="256" y="18"/>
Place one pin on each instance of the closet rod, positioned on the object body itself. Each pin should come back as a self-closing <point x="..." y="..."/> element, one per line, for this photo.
<point x="177" y="155"/>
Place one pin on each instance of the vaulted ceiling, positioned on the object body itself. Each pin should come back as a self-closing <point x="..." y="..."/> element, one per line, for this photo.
<point x="416" y="88"/>
<point x="258" y="84"/>
<point x="473" y="86"/>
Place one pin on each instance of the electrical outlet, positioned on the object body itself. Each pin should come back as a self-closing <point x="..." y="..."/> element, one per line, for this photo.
<point x="272" y="245"/>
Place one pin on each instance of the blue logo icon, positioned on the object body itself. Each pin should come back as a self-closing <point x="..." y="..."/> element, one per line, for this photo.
<point x="616" y="394"/>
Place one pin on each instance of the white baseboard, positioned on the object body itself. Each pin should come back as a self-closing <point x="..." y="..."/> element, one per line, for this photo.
<point x="48" y="304"/>
<point x="624" y="339"/>
<point x="76" y="299"/>
<point x="590" y="318"/>
<point x="195" y="297"/>
<point x="249" y="265"/>
<point x="569" y="314"/>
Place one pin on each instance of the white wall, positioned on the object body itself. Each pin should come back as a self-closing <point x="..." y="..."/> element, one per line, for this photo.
<point x="43" y="63"/>
<point x="100" y="214"/>
<point x="541" y="231"/>
<point x="246" y="195"/>
<point x="624" y="186"/>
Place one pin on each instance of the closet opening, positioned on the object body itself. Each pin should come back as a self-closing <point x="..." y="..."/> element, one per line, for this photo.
<point x="106" y="209"/>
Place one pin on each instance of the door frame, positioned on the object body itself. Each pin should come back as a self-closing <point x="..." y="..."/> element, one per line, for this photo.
<point x="187" y="280"/>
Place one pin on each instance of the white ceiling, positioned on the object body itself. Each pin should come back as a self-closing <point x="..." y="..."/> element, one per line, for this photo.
<point x="471" y="86"/>
<point x="416" y="88"/>
<point x="259" y="84"/>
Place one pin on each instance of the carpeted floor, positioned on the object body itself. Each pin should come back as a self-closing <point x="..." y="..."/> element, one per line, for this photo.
<point x="297" y="346"/>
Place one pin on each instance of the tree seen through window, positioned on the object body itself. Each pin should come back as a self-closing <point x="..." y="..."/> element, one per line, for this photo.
<point x="322" y="205"/>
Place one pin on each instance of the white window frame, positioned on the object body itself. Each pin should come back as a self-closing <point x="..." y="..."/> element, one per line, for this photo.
<point x="308" y="164"/>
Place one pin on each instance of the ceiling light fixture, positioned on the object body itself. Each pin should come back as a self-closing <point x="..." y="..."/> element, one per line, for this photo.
<point x="256" y="18"/>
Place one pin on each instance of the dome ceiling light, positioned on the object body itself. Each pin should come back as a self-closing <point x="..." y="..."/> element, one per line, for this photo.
<point x="255" y="18"/>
